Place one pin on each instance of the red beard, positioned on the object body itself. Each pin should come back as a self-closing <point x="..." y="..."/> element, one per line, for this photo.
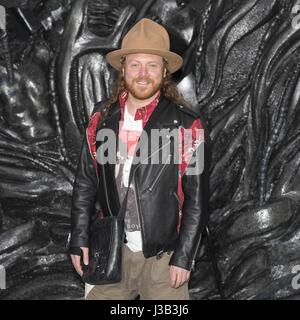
<point x="142" y="92"/>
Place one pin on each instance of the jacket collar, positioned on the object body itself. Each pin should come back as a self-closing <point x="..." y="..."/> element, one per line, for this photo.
<point x="142" y="113"/>
<point x="115" y="114"/>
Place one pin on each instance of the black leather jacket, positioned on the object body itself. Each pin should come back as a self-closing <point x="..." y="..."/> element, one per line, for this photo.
<point x="156" y="193"/>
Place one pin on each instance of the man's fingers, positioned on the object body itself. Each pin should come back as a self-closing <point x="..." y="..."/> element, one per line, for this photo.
<point x="178" y="279"/>
<point x="76" y="259"/>
<point x="178" y="276"/>
<point x="173" y="277"/>
<point x="76" y="263"/>
<point x="187" y="277"/>
<point x="85" y="256"/>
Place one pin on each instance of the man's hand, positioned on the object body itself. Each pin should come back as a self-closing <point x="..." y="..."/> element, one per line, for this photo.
<point x="76" y="260"/>
<point x="178" y="276"/>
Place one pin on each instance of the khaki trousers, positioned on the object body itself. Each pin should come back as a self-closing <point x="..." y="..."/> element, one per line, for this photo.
<point x="148" y="278"/>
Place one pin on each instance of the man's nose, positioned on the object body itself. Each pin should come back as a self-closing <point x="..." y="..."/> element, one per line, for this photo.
<point x="143" y="72"/>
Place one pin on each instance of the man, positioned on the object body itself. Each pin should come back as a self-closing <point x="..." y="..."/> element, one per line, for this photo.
<point x="164" y="215"/>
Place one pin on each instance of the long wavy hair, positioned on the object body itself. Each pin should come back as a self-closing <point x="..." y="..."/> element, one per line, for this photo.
<point x="169" y="90"/>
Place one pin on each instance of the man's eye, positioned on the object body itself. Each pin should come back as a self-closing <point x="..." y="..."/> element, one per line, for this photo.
<point x="153" y="65"/>
<point x="134" y="65"/>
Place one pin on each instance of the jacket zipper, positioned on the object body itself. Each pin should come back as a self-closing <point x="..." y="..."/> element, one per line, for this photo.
<point x="138" y="210"/>
<point x="156" y="179"/>
<point x="196" y="251"/>
<point x="136" y="195"/>
<point x="150" y="155"/>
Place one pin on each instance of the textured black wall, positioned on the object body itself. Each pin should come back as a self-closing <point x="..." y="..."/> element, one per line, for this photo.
<point x="241" y="71"/>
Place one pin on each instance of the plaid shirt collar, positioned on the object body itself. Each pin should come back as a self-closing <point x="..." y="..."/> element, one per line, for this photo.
<point x="142" y="113"/>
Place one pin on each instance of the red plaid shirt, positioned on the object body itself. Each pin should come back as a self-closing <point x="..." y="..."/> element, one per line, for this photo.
<point x="142" y="113"/>
<point x="131" y="137"/>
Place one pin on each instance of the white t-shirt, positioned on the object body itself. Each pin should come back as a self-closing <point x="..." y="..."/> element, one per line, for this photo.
<point x="134" y="238"/>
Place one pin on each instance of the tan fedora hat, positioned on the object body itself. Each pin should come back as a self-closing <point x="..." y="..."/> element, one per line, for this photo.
<point x="146" y="36"/>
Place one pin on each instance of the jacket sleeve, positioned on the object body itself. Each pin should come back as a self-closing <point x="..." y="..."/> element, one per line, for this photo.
<point x="84" y="197"/>
<point x="194" y="213"/>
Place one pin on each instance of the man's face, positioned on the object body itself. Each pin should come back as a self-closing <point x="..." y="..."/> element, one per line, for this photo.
<point x="143" y="74"/>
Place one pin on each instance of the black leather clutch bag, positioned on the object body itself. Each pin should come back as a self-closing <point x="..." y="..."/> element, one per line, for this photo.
<point x="106" y="239"/>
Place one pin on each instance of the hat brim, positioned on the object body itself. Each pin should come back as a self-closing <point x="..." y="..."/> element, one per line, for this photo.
<point x="174" y="61"/>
